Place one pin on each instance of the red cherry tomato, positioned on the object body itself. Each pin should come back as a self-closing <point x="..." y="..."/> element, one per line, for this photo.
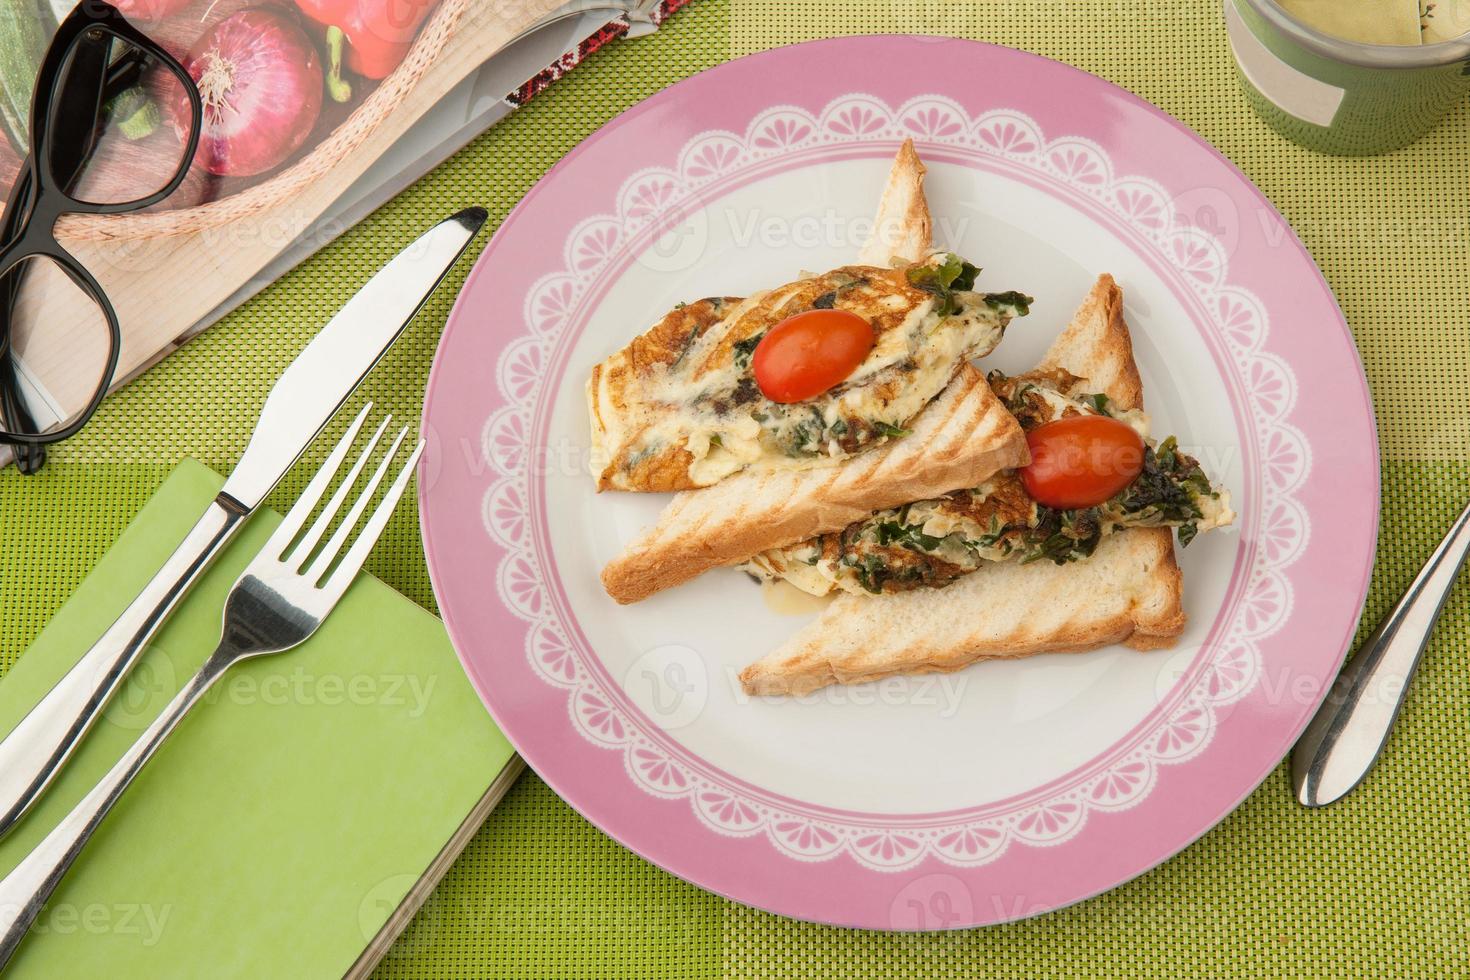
<point x="806" y="354"/>
<point x="1081" y="461"/>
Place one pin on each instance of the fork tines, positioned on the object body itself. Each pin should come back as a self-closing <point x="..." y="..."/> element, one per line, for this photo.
<point x="293" y="553"/>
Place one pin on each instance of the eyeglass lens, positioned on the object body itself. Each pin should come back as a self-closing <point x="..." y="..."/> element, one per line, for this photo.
<point x="113" y="136"/>
<point x="60" y="344"/>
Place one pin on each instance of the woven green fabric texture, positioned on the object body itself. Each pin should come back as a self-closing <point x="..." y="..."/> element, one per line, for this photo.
<point x="1378" y="885"/>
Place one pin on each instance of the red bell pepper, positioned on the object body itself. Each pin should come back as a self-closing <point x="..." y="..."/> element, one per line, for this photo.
<point x="376" y="35"/>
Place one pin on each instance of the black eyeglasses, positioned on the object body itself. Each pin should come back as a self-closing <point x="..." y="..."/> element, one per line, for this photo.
<point x="103" y="140"/>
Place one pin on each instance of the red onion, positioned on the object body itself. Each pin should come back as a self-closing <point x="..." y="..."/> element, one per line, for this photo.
<point x="261" y="83"/>
<point x="179" y="31"/>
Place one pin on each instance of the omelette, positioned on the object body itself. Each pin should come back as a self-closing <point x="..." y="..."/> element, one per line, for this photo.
<point x="680" y="408"/>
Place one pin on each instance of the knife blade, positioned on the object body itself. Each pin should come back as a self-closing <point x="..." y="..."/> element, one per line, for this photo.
<point x="303" y="400"/>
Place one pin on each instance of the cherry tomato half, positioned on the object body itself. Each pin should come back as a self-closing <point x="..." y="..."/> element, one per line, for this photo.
<point x="1081" y="461"/>
<point x="806" y="354"/>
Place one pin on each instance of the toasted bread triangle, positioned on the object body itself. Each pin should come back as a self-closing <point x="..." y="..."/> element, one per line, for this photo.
<point x="902" y="230"/>
<point x="1129" y="591"/>
<point x="1096" y="346"/>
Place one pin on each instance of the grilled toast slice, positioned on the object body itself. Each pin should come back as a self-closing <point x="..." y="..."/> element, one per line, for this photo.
<point x="902" y="230"/>
<point x="1128" y="591"/>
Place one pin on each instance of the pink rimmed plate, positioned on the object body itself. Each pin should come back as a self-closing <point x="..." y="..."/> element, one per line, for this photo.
<point x="1007" y="789"/>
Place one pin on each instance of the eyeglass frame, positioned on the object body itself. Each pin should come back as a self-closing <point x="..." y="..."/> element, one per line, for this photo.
<point x="36" y="203"/>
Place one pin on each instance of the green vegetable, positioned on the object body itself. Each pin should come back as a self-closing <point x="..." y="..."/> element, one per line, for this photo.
<point x="688" y="343"/>
<point x="1020" y="302"/>
<point x="801" y="442"/>
<point x="134" y="113"/>
<point x="1061" y="535"/>
<point x="745" y="350"/>
<point x="950" y="276"/>
<point x="891" y="431"/>
<point x="338" y="88"/>
<point x="907" y="535"/>
<point x="871" y="573"/>
<point x="1167" y="486"/>
<point x="22" y="46"/>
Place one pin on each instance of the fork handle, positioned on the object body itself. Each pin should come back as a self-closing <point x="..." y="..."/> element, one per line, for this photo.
<point x="43" y="741"/>
<point x="1350" y="729"/>
<point x="23" y="892"/>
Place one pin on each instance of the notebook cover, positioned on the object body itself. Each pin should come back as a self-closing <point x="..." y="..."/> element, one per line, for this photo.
<point x="291" y="814"/>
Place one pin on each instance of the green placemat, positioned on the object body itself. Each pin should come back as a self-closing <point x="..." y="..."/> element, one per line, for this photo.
<point x="1376" y="885"/>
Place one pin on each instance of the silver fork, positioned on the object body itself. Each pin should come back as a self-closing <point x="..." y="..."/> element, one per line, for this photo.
<point x="278" y="601"/>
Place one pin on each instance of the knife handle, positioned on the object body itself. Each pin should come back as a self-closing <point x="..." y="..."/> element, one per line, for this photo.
<point x="1350" y="729"/>
<point x="36" y="749"/>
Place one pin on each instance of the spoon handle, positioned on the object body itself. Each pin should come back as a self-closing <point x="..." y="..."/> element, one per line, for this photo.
<point x="1350" y="729"/>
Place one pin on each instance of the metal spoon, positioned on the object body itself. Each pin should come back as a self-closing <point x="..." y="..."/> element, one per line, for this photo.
<point x="1350" y="729"/>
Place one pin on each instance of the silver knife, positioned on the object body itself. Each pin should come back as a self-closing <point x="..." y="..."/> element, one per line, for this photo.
<point x="307" y="395"/>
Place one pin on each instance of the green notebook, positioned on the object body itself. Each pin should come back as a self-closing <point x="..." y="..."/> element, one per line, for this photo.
<point x="296" y="818"/>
